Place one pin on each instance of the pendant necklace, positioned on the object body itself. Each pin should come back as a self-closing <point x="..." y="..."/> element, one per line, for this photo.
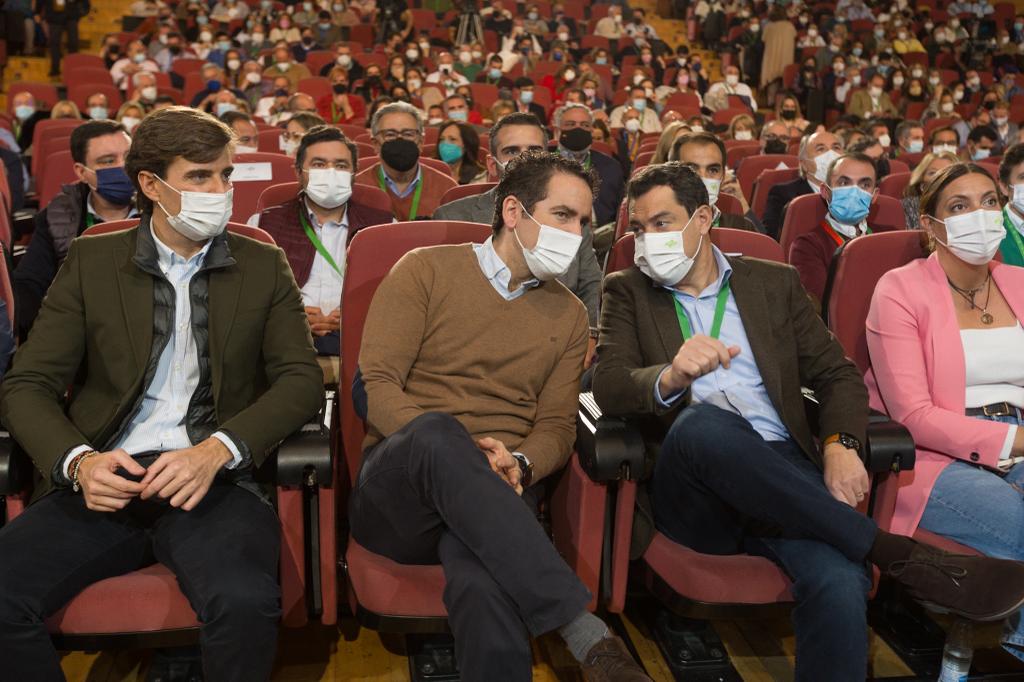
<point x="969" y="294"/>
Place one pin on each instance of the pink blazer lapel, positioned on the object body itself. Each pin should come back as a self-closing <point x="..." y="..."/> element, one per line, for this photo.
<point x="949" y="375"/>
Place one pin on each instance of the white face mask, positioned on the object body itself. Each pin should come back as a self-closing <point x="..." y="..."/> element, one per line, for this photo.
<point x="203" y="215"/>
<point x="632" y="125"/>
<point x="713" y="187"/>
<point x="732" y="79"/>
<point x="822" y="162"/>
<point x="743" y="135"/>
<point x="974" y="237"/>
<point x="1018" y="198"/>
<point x="884" y="140"/>
<point x="660" y="255"/>
<point x="288" y="147"/>
<point x="130" y="122"/>
<point x="944" y="149"/>
<point x="329" y="187"/>
<point x="554" y="252"/>
<point x="245" y="149"/>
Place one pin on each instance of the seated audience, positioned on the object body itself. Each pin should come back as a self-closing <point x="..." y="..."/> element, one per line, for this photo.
<point x="944" y="341"/>
<point x="774" y="138"/>
<point x="1011" y="184"/>
<point x="65" y="109"/>
<point x="457" y="439"/>
<point x="147" y="462"/>
<point x="415" y="189"/>
<point x="669" y="134"/>
<point x="873" y="101"/>
<point x="26" y="115"/>
<point x="316" y="226"/>
<point x="704" y="154"/>
<point x="458" y="145"/>
<point x="717" y="96"/>
<point x="849" y="189"/>
<point x="944" y="139"/>
<point x="104" y="192"/>
<point x="739" y="468"/>
<point x="97" y="107"/>
<point x="510" y="137"/>
<point x="981" y="141"/>
<point x="817" y="152"/>
<point x="573" y="126"/>
<point x="649" y="121"/>
<point x="130" y="115"/>
<point x="909" y="137"/>
<point x="247" y="135"/>
<point x="927" y="168"/>
<point x="297" y="126"/>
<point x="628" y="137"/>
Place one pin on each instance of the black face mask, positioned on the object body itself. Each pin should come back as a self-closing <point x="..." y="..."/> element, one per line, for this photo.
<point x="400" y="154"/>
<point x="576" y="139"/>
<point x="788" y="114"/>
<point x="776" y="147"/>
<point x="882" y="166"/>
<point x="990" y="105"/>
<point x="340" y="88"/>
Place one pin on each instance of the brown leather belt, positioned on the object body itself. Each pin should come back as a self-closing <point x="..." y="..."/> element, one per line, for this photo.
<point x="994" y="410"/>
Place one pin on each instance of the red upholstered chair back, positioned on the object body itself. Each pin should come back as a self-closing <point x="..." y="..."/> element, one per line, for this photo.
<point x="898" y="166"/>
<point x="894" y="185"/>
<point x="736" y="150"/>
<point x="59" y="141"/>
<point x="862" y="262"/>
<point x="45" y="94"/>
<point x="806" y="213"/>
<point x="729" y="241"/>
<point x="371" y="255"/>
<point x="56" y="171"/>
<point x="764" y="184"/>
<point x="912" y="158"/>
<point x="77" y="60"/>
<point x="247" y="192"/>
<point x="270" y="140"/>
<point x="727" y="203"/>
<point x="463" y="191"/>
<point x="436" y="164"/>
<point x="750" y="169"/>
<point x="80" y="92"/>
<point x="46" y="128"/>
<point x="118" y="225"/>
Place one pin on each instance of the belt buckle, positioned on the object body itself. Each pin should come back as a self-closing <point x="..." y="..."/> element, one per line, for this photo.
<point x="1001" y="410"/>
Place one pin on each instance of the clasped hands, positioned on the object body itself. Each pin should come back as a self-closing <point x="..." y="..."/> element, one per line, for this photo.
<point x="181" y="476"/>
<point x="321" y="324"/>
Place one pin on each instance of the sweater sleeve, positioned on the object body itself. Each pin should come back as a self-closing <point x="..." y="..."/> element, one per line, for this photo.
<point x="554" y="430"/>
<point x="392" y="337"/>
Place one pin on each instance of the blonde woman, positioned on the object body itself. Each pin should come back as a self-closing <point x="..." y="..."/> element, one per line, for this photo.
<point x="741" y="128"/>
<point x="130" y="115"/>
<point x="928" y="168"/>
<point x="668" y="136"/>
<point x="65" y="109"/>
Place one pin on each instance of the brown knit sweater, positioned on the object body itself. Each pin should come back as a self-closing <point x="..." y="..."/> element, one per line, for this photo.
<point x="435" y="184"/>
<point x="439" y="338"/>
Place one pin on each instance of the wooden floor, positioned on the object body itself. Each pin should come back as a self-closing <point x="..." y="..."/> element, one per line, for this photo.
<point x="761" y="651"/>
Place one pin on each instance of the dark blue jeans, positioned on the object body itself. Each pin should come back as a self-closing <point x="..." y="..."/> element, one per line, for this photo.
<point x="720" y="488"/>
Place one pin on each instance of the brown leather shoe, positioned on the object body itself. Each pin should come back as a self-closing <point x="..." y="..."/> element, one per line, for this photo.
<point x="610" y="661"/>
<point x="974" y="587"/>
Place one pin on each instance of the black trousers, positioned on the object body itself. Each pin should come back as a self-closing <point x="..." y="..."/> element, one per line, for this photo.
<point x="427" y="495"/>
<point x="224" y="554"/>
<point x="55" y="34"/>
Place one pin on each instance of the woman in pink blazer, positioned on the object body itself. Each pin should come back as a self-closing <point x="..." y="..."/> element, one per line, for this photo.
<point x="947" y="359"/>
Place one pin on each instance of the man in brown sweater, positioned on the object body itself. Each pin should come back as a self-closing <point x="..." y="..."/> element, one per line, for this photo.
<point x="415" y="189"/>
<point x="471" y="358"/>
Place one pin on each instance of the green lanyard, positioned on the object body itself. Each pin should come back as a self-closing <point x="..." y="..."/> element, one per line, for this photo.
<point x="415" y="197"/>
<point x="716" y="324"/>
<point x="317" y="244"/>
<point x="1013" y="232"/>
<point x="89" y="220"/>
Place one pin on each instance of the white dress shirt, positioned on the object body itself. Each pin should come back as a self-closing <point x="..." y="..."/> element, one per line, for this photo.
<point x="323" y="288"/>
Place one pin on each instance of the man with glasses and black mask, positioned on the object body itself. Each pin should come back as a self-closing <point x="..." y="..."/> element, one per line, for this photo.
<point x="774" y="138"/>
<point x="315" y="227"/>
<point x="511" y="136"/>
<point x="415" y="189"/>
<point x="574" y="125"/>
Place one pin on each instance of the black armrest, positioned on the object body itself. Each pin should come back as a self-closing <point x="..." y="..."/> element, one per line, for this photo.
<point x="307" y="452"/>
<point x="609" y="449"/>
<point x="889" y="445"/>
<point x="15" y="467"/>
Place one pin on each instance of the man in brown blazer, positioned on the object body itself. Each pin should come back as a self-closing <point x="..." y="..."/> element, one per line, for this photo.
<point x="709" y="353"/>
<point x="189" y="358"/>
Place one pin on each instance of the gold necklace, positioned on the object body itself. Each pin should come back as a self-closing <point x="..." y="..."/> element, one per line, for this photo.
<point x="969" y="294"/>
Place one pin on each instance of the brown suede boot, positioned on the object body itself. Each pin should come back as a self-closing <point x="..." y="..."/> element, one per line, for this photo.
<point x="973" y="587"/>
<point x="610" y="661"/>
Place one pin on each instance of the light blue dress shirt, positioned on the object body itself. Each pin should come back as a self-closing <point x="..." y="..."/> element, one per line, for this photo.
<point x="160" y="422"/>
<point x="497" y="273"/>
<point x="393" y="187"/>
<point x="738" y="389"/>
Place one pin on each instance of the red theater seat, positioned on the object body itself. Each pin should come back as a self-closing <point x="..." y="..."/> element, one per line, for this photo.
<point x="805" y="213"/>
<point x="463" y="191"/>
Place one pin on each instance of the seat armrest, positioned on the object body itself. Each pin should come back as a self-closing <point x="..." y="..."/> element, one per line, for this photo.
<point x="609" y="449"/>
<point x="304" y="458"/>
<point x="889" y="445"/>
<point x="15" y="467"/>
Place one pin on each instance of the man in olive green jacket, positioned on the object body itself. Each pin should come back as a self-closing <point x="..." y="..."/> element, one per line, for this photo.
<point x="189" y="358"/>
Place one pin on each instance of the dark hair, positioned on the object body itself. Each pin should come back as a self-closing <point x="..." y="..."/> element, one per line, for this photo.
<point x="853" y="156"/>
<point x="931" y="193"/>
<point x="699" y="139"/>
<point x="904" y="128"/>
<point x="470" y="167"/>
<point x="230" y="118"/>
<point x="516" y="119"/>
<point x="862" y="146"/>
<point x="168" y="134"/>
<point x="687" y="186"/>
<point x="523" y="82"/>
<point x="943" y="129"/>
<point x="81" y="135"/>
<point x="1014" y="156"/>
<point x="981" y="132"/>
<point x="324" y="133"/>
<point x="527" y="177"/>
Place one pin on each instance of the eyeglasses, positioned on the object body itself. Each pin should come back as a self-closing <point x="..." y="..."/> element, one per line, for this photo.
<point x="410" y="134"/>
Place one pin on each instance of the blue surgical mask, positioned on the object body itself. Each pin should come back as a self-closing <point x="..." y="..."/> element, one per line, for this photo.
<point x="225" y="107"/>
<point x="858" y="51"/>
<point x="458" y="115"/>
<point x="526" y="96"/>
<point x="495" y="74"/>
<point x="601" y="60"/>
<point x="24" y="111"/>
<point x="224" y="45"/>
<point x="981" y="154"/>
<point x="915" y="146"/>
<point x="639" y="104"/>
<point x="849" y="205"/>
<point x="202" y="20"/>
<point x="449" y="153"/>
<point x="97" y="113"/>
<point x="114" y="185"/>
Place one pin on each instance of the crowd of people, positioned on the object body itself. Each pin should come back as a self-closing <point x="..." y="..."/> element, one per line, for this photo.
<point x="874" y="117"/>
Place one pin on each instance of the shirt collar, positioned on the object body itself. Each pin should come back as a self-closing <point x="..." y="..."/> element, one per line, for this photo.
<point x="495" y="269"/>
<point x="166" y="257"/>
<point x="724" y="273"/>
<point x="132" y="212"/>
<point x="1015" y="219"/>
<point x="315" y="222"/>
<point x="394" y="187"/>
<point x="848" y="231"/>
